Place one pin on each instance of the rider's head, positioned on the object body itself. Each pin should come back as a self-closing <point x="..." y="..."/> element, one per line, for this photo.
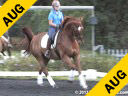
<point x="56" y="5"/>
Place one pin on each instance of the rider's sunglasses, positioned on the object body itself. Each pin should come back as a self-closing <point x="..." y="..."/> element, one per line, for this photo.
<point x="57" y="6"/>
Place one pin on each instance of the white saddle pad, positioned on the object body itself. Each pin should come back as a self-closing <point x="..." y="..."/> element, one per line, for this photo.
<point x="45" y="40"/>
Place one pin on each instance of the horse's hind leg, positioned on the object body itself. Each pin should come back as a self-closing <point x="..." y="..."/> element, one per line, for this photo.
<point x="43" y="62"/>
<point x="81" y="77"/>
<point x="9" y="52"/>
<point x="3" y="53"/>
<point x="42" y="69"/>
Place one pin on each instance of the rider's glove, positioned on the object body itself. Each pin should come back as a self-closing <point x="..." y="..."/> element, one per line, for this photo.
<point x="58" y="26"/>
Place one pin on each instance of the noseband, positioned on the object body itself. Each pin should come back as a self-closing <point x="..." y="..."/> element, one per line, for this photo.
<point x="76" y="32"/>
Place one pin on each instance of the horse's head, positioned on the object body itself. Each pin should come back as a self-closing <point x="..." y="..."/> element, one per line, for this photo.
<point x="75" y="26"/>
<point x="77" y="29"/>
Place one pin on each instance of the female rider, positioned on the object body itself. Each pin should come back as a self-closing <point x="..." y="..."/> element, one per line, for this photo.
<point x="55" y="18"/>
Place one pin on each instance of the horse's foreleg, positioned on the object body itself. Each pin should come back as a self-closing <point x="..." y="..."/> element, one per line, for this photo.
<point x="77" y="63"/>
<point x="71" y="75"/>
<point x="81" y="77"/>
<point x="68" y="61"/>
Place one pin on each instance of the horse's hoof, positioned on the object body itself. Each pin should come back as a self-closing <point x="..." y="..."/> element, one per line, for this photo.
<point x="70" y="81"/>
<point x="55" y="86"/>
<point x="85" y="87"/>
<point x="40" y="84"/>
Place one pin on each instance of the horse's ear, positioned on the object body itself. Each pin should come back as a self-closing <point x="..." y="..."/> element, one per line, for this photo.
<point x="81" y="19"/>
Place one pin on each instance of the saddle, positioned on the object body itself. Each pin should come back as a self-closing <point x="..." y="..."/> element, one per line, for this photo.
<point x="44" y="41"/>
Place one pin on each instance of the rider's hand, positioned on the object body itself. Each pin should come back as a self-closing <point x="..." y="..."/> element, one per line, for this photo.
<point x="58" y="26"/>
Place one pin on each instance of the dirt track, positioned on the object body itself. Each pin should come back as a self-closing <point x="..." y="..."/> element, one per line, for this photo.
<point x="12" y="87"/>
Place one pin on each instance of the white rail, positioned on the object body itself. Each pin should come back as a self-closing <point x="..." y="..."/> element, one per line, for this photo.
<point x="54" y="73"/>
<point x="117" y="52"/>
<point x="64" y="7"/>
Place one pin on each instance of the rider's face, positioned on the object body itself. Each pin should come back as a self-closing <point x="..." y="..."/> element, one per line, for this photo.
<point x="56" y="8"/>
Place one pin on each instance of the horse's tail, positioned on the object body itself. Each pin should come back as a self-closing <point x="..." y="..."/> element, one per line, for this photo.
<point x="28" y="32"/>
<point x="25" y="43"/>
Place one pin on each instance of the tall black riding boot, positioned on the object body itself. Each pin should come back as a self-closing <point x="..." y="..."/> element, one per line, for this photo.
<point x="48" y="52"/>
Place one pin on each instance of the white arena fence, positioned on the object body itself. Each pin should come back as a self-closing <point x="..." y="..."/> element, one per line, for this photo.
<point x="89" y="74"/>
<point x="117" y="53"/>
<point x="64" y="7"/>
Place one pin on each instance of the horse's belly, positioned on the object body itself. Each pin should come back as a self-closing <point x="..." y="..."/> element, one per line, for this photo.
<point x="54" y="55"/>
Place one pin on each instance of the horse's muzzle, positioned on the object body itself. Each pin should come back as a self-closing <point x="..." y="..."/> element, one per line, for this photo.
<point x="80" y="40"/>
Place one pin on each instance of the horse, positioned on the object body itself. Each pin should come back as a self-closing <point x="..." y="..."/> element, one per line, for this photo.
<point x="4" y="46"/>
<point x="67" y="48"/>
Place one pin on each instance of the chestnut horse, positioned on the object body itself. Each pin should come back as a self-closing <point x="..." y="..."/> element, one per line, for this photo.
<point x="4" y="46"/>
<point x="67" y="48"/>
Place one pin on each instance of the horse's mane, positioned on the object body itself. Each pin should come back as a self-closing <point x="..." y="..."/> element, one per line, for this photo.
<point x="67" y="19"/>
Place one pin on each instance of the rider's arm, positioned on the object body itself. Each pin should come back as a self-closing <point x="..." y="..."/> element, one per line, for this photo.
<point x="51" y="23"/>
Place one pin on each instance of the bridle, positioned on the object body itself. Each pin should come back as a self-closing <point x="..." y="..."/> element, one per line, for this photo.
<point x="76" y="32"/>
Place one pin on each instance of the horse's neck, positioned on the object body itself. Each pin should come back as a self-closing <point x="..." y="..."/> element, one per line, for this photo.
<point x="69" y="35"/>
<point x="66" y="37"/>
